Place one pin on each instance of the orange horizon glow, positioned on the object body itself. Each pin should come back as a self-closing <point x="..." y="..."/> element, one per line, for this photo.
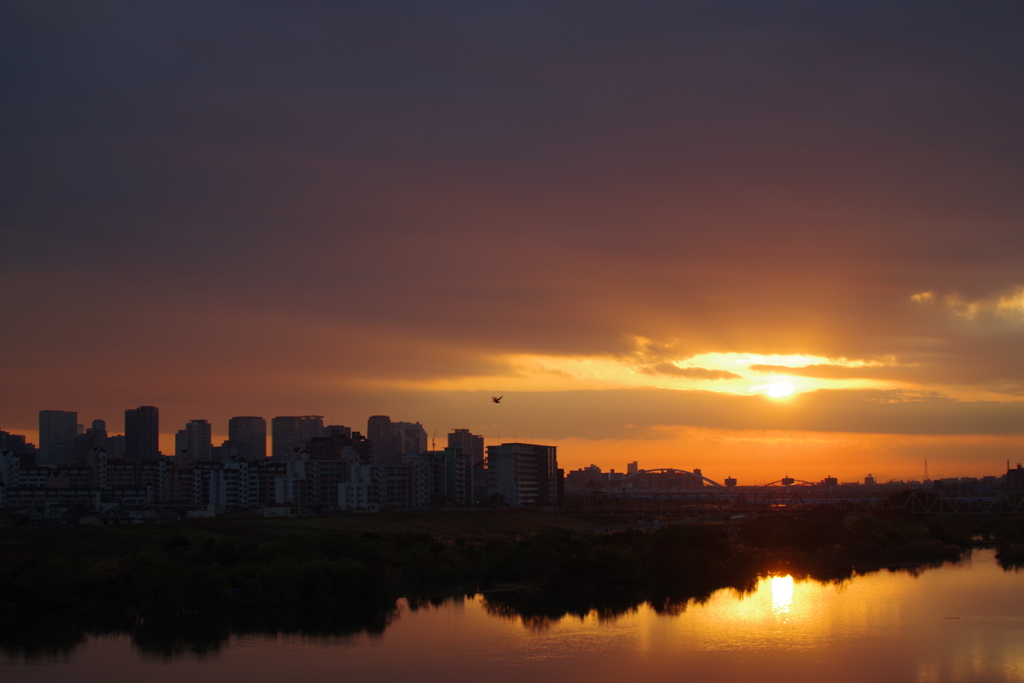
<point x="755" y="457"/>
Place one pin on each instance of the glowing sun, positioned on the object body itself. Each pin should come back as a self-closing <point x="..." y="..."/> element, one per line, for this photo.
<point x="780" y="389"/>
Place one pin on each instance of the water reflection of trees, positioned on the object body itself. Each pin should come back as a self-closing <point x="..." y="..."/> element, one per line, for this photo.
<point x="44" y="637"/>
<point x="1011" y="561"/>
<point x="539" y="610"/>
<point x="417" y="602"/>
<point x="52" y="636"/>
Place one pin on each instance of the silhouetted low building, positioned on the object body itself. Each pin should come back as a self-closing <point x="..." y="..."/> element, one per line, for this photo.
<point x="1014" y="479"/>
<point x="232" y="449"/>
<point x="586" y="479"/>
<point x="15" y="443"/>
<point x="44" y="503"/>
<point x="661" y="483"/>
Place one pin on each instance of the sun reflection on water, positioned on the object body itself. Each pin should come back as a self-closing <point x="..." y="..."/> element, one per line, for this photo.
<point x="745" y="632"/>
<point x="782" y="594"/>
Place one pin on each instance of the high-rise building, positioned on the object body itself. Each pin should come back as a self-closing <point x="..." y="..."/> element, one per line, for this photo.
<point x="57" y="431"/>
<point x="115" y="447"/>
<point x="378" y="431"/>
<point x="142" y="433"/>
<point x="250" y="430"/>
<point x="94" y="437"/>
<point x="199" y="439"/>
<point x="408" y="438"/>
<point x="392" y="440"/>
<point x="471" y="444"/>
<point x="181" y="442"/>
<point x="524" y="474"/>
<point x="290" y="433"/>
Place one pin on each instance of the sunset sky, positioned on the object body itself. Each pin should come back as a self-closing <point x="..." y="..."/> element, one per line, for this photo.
<point x="750" y="237"/>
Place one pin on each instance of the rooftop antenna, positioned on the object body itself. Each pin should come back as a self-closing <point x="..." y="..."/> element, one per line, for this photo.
<point x="433" y="441"/>
<point x="926" y="470"/>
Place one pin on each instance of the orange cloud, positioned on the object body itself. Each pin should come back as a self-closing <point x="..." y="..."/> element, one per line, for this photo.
<point x="828" y="371"/>
<point x="690" y="372"/>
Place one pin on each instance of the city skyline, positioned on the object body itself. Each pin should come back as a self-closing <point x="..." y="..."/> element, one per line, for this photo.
<point x="744" y="237"/>
<point x="300" y="429"/>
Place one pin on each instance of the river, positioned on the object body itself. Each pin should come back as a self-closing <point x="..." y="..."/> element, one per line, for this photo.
<point x="956" y="623"/>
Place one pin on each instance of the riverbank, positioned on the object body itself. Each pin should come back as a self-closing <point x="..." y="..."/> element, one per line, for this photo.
<point x="218" y="566"/>
<point x="106" y="542"/>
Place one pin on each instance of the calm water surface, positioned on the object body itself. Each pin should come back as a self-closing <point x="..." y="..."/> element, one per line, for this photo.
<point x="961" y="622"/>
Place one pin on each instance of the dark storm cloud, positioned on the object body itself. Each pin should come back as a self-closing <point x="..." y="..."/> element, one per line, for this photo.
<point x="356" y="187"/>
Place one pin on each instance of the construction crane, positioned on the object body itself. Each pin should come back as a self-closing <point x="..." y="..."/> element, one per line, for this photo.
<point x="433" y="441"/>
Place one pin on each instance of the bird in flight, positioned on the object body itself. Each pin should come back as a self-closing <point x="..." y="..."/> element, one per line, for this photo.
<point x="497" y="399"/>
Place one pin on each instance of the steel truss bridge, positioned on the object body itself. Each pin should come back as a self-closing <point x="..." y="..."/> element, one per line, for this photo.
<point x="792" y="496"/>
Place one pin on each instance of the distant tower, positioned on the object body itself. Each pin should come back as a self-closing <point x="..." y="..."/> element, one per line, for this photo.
<point x="378" y="431"/>
<point x="250" y="430"/>
<point x="93" y="438"/>
<point x="142" y="433"/>
<point x="289" y="433"/>
<point x="199" y="439"/>
<point x="180" y="442"/>
<point x="408" y="437"/>
<point x="471" y="444"/>
<point x="57" y="431"/>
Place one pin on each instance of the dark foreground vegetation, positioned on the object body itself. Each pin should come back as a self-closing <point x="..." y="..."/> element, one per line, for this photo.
<point x="193" y="593"/>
